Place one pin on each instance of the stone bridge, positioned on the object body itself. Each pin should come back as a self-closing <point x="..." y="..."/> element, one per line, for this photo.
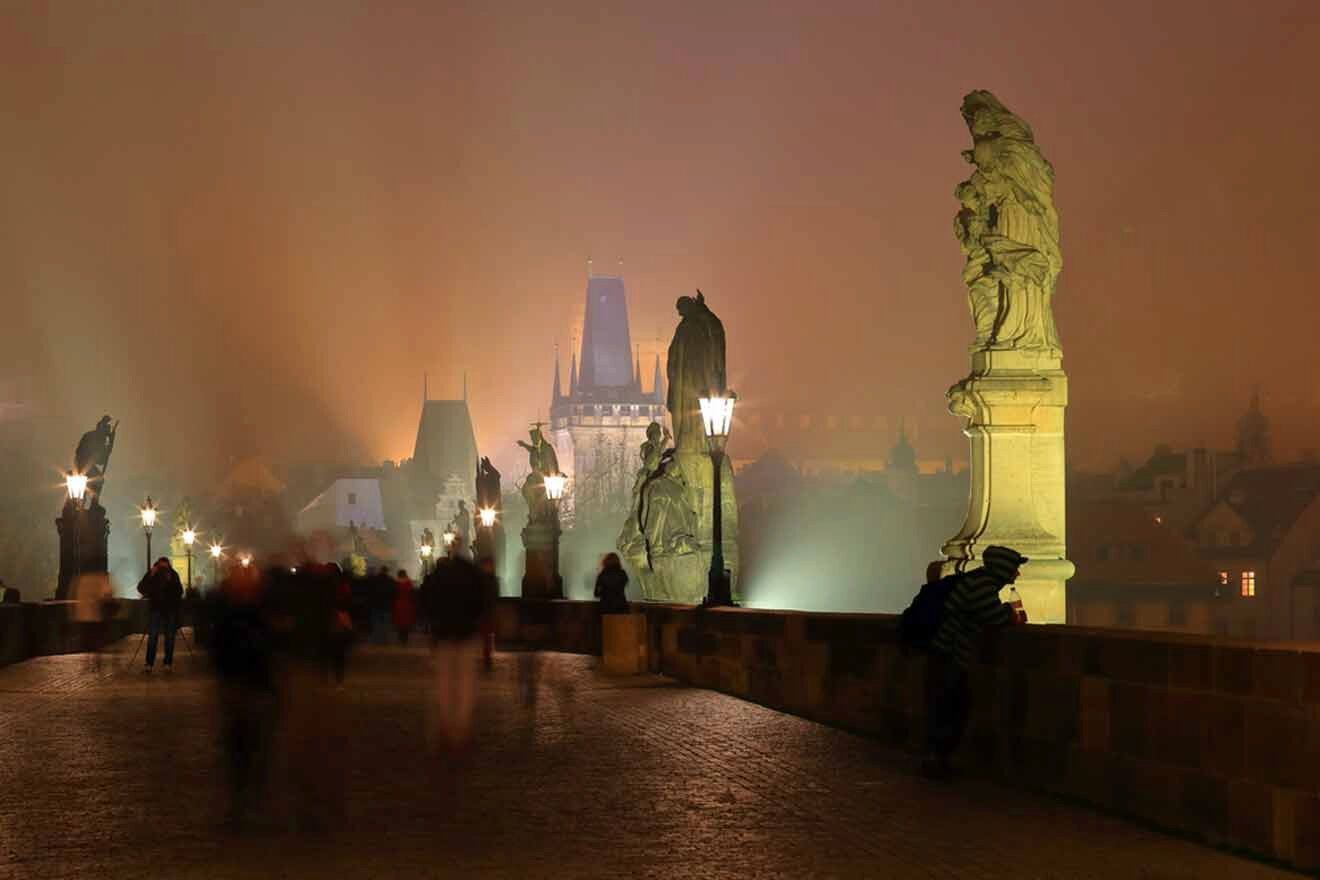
<point x="1092" y="748"/>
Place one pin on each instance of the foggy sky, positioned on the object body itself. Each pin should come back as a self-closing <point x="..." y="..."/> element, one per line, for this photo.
<point x="253" y="229"/>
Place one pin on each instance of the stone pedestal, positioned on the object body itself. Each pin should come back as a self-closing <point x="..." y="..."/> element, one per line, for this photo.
<point x="541" y="578"/>
<point x="84" y="544"/>
<point x="1013" y="403"/>
<point x="623" y="644"/>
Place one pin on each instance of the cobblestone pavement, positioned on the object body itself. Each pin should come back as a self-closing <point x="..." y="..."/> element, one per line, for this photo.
<point x="112" y="774"/>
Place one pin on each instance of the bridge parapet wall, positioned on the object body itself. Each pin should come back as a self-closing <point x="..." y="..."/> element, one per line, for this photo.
<point x="1213" y="737"/>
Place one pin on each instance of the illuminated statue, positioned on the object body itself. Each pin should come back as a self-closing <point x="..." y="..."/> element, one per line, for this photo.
<point x="695" y="369"/>
<point x="662" y="522"/>
<point x="1009" y="231"/>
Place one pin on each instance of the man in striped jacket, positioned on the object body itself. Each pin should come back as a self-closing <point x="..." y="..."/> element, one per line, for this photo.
<point x="971" y="606"/>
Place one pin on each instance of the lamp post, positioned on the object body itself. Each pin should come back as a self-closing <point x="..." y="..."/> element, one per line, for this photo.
<point x="216" y="552"/>
<point x="554" y="490"/>
<point x="189" y="536"/>
<point x="76" y="484"/>
<point x="148" y="514"/>
<point x="716" y="420"/>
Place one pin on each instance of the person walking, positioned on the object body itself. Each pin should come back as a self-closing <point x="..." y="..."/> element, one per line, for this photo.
<point x="490" y="595"/>
<point x="612" y="585"/>
<point x="972" y="605"/>
<point x="404" y="611"/>
<point x="163" y="590"/>
<point x="453" y="603"/>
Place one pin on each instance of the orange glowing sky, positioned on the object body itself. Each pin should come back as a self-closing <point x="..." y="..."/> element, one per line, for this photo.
<point x="253" y="229"/>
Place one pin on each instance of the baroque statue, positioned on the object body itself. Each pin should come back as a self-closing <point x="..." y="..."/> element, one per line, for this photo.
<point x="695" y="369"/>
<point x="1008" y="230"/>
<point x="542" y="462"/>
<point x="488" y="485"/>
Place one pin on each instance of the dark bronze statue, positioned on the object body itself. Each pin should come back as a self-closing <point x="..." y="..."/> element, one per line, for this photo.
<point x="488" y="485"/>
<point x="542" y="462"/>
<point x="92" y="457"/>
<point x="695" y="369"/>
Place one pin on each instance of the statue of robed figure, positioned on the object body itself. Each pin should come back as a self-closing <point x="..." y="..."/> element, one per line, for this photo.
<point x="695" y="369"/>
<point x="83" y="527"/>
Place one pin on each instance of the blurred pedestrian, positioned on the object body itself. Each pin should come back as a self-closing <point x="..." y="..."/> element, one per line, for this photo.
<point x="972" y="604"/>
<point x="241" y="646"/>
<point x="490" y="588"/>
<point x="163" y="590"/>
<point x="452" y="599"/>
<point x="612" y="585"/>
<point x="93" y="607"/>
<point x="405" y="606"/>
<point x="338" y="627"/>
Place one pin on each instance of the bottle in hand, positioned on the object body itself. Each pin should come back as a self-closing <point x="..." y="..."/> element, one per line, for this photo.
<point x="1015" y="602"/>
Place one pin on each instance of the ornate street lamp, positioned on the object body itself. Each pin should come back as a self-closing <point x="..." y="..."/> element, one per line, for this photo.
<point x="717" y="420"/>
<point x="189" y="536"/>
<point x="425" y="552"/>
<point x="148" y="514"/>
<point x="554" y="491"/>
<point x="77" y="486"/>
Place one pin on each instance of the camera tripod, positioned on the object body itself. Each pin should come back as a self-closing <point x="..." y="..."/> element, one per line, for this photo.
<point x="178" y="632"/>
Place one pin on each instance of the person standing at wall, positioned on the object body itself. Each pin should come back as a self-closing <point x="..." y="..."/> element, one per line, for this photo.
<point x="971" y="606"/>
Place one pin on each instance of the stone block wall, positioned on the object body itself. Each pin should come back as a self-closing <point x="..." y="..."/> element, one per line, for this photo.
<point x="1201" y="735"/>
<point x="38" y="629"/>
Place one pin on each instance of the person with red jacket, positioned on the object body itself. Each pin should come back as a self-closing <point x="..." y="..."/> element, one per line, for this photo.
<point x="404" y="612"/>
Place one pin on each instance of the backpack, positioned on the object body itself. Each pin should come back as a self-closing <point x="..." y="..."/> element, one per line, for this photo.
<point x="922" y="618"/>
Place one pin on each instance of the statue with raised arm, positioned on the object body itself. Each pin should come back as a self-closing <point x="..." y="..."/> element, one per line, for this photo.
<point x="542" y="462"/>
<point x="695" y="369"/>
<point x="1008" y="230"/>
<point x="92" y="456"/>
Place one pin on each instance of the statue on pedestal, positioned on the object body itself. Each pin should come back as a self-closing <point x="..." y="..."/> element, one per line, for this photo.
<point x="668" y="537"/>
<point x="1014" y="398"/>
<point x="541" y="577"/>
<point x="489" y="541"/>
<point x="83" y="527"/>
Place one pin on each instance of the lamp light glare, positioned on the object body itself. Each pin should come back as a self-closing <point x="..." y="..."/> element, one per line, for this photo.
<point x="189" y="536"/>
<point x="554" y="486"/>
<point x="77" y="486"/>
<point x="245" y="560"/>
<point x="448" y="538"/>
<point x="717" y="416"/>
<point x="487" y="515"/>
<point x="427" y="550"/>
<point x="216" y="550"/>
<point x="148" y="517"/>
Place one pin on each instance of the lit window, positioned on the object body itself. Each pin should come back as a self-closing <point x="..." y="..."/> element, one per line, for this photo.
<point x="352" y="498"/>
<point x="1223" y="578"/>
<point x="1248" y="583"/>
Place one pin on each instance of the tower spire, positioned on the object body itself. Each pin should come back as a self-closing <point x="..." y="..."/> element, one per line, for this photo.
<point x="572" y="370"/>
<point x="657" y="383"/>
<point x="559" y="388"/>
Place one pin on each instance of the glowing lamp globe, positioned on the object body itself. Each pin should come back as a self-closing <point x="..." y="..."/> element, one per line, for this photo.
<point x="189" y="536"/>
<point x="77" y="486"/>
<point x="554" y="486"/>
<point x="448" y="538"/>
<point x="148" y="516"/>
<point x="487" y="515"/>
<point x="216" y="550"/>
<point x="717" y="420"/>
<point x="427" y="550"/>
<point x="245" y="560"/>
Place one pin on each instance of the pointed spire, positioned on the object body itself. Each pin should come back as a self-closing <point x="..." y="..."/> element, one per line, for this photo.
<point x="559" y="388"/>
<point x="572" y="370"/>
<point x="657" y="383"/>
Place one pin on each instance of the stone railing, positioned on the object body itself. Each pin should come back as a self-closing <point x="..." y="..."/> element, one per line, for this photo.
<point x="36" y="629"/>
<point x="1206" y="736"/>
